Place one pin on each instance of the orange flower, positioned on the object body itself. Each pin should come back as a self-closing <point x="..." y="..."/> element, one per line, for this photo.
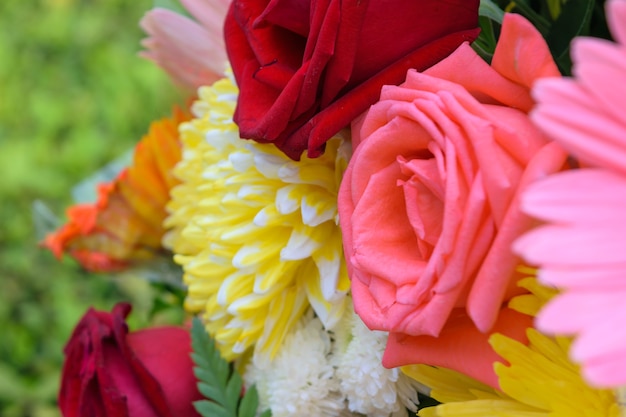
<point x="124" y="226"/>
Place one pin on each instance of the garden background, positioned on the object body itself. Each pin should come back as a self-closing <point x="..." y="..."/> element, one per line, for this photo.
<point x="74" y="95"/>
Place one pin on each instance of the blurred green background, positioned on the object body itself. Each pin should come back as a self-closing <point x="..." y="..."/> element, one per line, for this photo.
<point x="73" y="96"/>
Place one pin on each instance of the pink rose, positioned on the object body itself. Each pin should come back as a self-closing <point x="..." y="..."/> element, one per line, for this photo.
<point x="110" y="372"/>
<point x="428" y="204"/>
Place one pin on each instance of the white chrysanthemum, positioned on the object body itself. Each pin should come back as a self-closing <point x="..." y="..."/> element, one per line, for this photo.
<point x="257" y="233"/>
<point x="369" y="388"/>
<point x="300" y="380"/>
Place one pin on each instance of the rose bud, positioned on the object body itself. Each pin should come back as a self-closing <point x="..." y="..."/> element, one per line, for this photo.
<point x="111" y="372"/>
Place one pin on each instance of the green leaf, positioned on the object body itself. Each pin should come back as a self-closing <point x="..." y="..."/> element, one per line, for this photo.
<point x="204" y="374"/>
<point x="485" y="44"/>
<point x="173" y="5"/>
<point x="201" y="362"/>
<point x="554" y="6"/>
<point x="491" y="10"/>
<point x="217" y="381"/>
<point x="266" y="413"/>
<point x="540" y="22"/>
<point x="210" y="409"/>
<point x="233" y="392"/>
<point x="426" y="401"/>
<point x="249" y="403"/>
<point x="86" y="191"/>
<point x="206" y="356"/>
<point x="210" y="391"/>
<point x="573" y="21"/>
<point x="44" y="219"/>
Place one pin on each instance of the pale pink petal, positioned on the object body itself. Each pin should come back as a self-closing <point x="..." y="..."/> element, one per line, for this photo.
<point x="585" y="114"/>
<point x="595" y="317"/>
<point x="190" y="54"/>
<point x="588" y="208"/>
<point x="604" y="338"/>
<point x="582" y="250"/>
<point x="559" y="197"/>
<point x="571" y="313"/>
<point x="600" y="65"/>
<point x="577" y="277"/>
<point x="582" y="253"/>
<point x="606" y="371"/>
<point x="573" y="118"/>
<point x="550" y="245"/>
<point x="210" y="13"/>
<point x="616" y="19"/>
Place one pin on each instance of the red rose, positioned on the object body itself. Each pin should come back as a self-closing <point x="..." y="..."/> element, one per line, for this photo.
<point x="306" y="69"/>
<point x="109" y="372"/>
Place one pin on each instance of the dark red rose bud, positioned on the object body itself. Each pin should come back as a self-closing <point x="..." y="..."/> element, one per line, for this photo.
<point x="109" y="372"/>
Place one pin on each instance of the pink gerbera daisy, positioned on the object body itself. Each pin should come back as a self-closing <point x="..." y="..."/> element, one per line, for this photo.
<point x="582" y="249"/>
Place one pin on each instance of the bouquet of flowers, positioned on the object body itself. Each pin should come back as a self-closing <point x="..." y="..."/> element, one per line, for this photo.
<point x="377" y="208"/>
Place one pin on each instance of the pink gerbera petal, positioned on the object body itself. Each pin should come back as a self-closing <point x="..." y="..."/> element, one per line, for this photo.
<point x="559" y="197"/>
<point x="572" y="116"/>
<point x="616" y="16"/>
<point x="606" y="277"/>
<point x="606" y="371"/>
<point x="599" y="64"/>
<point x="582" y="250"/>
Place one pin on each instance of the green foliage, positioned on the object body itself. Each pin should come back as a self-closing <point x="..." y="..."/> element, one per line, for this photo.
<point x="74" y="95"/>
<point x="218" y="382"/>
<point x="559" y="21"/>
<point x="491" y="10"/>
<point x="173" y="5"/>
<point x="574" y="20"/>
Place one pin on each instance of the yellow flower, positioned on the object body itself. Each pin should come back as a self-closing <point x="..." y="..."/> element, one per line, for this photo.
<point x="256" y="232"/>
<point x="539" y="380"/>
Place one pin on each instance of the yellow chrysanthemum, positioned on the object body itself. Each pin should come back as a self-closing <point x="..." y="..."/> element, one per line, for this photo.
<point x="256" y="232"/>
<point x="539" y="380"/>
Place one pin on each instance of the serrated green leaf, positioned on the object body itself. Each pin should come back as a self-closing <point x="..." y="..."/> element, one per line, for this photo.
<point x="491" y="10"/>
<point x="249" y="403"/>
<point x="222" y="368"/>
<point x="210" y="367"/>
<point x="233" y="392"/>
<point x="211" y="392"/>
<point x="206" y="356"/>
<point x="210" y="409"/>
<point x="200" y="360"/>
<point x="207" y="375"/>
<point x="216" y="380"/>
